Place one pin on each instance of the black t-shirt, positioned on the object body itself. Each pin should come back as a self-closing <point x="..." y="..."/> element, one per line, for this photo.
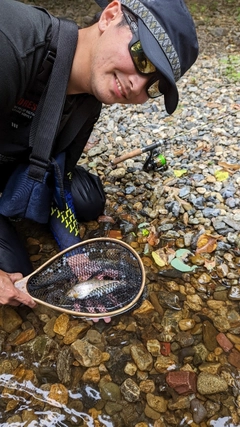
<point x="25" y="33"/>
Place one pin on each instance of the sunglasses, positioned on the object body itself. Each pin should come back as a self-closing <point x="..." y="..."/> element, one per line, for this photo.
<point x="156" y="85"/>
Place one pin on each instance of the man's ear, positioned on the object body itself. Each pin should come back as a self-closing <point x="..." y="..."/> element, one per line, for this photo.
<point x="110" y="13"/>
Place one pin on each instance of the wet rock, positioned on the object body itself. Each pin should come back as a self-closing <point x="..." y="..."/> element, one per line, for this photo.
<point x="209" y="335"/>
<point x="86" y="354"/>
<point x="151" y="413"/>
<point x="158" y="403"/>
<point x="64" y="362"/>
<point x="75" y="332"/>
<point x="40" y="348"/>
<point x="24" y="337"/>
<point x="58" y="394"/>
<point x="210" y="367"/>
<point x="112" y="408"/>
<point x="186" y="324"/>
<point x="9" y="319"/>
<point x="164" y="363"/>
<point x="61" y="324"/>
<point x="130" y="390"/>
<point x="182" y="382"/>
<point x="141" y="357"/>
<point x="198" y="410"/>
<point x="109" y="391"/>
<point x="154" y="347"/>
<point x="234" y="358"/>
<point x="147" y="386"/>
<point x="224" y="342"/>
<point x="210" y="384"/>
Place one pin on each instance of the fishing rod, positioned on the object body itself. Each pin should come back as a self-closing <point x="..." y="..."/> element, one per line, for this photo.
<point x="155" y="161"/>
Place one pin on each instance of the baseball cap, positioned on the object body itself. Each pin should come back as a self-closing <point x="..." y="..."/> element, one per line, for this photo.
<point x="168" y="38"/>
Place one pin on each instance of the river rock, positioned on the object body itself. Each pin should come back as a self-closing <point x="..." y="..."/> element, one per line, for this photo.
<point x="210" y="384"/>
<point x="86" y="354"/>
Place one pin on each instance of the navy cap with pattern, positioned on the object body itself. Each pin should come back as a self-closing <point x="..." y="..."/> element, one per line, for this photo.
<point x="168" y="37"/>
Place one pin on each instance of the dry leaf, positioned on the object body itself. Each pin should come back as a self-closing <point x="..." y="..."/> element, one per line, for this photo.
<point x="185" y="218"/>
<point x="206" y="243"/>
<point x="153" y="239"/>
<point x="230" y="167"/>
<point x="115" y="234"/>
<point x="236" y="106"/>
<point x="179" y="152"/>
<point x="210" y="264"/>
<point x="160" y="257"/>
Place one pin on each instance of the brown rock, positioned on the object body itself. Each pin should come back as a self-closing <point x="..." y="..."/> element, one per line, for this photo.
<point x="183" y="382"/>
<point x="9" y="319"/>
<point x="61" y="324"/>
<point x="91" y="375"/>
<point x="209" y="335"/>
<point x="74" y="333"/>
<point x="234" y="358"/>
<point x="224" y="342"/>
<point x="58" y="394"/>
<point x="24" y="336"/>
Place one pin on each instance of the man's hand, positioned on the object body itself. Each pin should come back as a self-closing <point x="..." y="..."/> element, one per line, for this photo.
<point x="11" y="295"/>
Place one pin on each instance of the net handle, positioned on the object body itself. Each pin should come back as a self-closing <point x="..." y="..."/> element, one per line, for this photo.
<point x="22" y="283"/>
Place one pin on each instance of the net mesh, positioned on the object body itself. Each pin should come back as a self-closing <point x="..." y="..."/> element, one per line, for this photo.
<point x="99" y="276"/>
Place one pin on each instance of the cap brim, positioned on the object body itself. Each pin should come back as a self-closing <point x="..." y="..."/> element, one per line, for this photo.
<point x="156" y="55"/>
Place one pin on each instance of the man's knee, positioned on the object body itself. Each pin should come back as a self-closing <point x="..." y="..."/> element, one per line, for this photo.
<point x="88" y="195"/>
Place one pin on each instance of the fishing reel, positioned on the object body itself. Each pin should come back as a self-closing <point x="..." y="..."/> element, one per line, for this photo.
<point x="155" y="162"/>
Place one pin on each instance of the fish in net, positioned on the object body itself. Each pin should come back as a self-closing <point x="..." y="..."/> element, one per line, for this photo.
<point x="95" y="278"/>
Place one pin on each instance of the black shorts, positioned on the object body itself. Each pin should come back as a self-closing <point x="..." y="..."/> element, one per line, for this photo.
<point x="13" y="255"/>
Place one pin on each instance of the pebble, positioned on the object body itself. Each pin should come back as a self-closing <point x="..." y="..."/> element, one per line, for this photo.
<point x="210" y="384"/>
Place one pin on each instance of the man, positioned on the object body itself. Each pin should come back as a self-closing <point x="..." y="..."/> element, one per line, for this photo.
<point x="137" y="50"/>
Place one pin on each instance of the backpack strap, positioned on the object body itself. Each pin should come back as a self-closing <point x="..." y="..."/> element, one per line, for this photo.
<point x="48" y="114"/>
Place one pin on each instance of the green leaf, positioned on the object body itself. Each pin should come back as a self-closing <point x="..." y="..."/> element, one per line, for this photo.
<point x="182" y="253"/>
<point x="181" y="266"/>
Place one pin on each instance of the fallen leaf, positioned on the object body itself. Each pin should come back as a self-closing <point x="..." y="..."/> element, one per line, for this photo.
<point x="206" y="244"/>
<point x="105" y="218"/>
<point x="210" y="264"/>
<point x="221" y="175"/>
<point x="145" y="232"/>
<point x="236" y="106"/>
<point x="181" y="266"/>
<point x="179" y="152"/>
<point x="179" y="172"/>
<point x="171" y="253"/>
<point x="233" y="166"/>
<point x="182" y="253"/>
<point x="153" y="239"/>
<point x="159" y="260"/>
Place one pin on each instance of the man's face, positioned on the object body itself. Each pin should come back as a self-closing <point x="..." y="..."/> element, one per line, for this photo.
<point x="113" y="77"/>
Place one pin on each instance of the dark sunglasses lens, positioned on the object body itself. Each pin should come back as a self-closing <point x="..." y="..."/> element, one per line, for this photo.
<point x="140" y="59"/>
<point x="153" y="90"/>
<point x="158" y="87"/>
